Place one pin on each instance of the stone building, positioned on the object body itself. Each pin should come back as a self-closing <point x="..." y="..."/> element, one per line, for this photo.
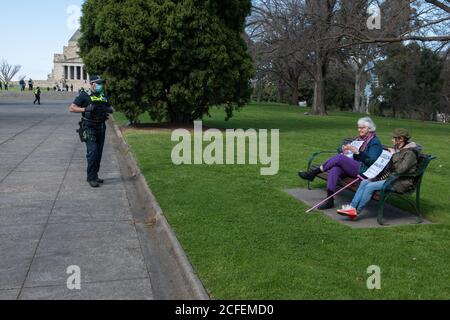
<point x="68" y="67"/>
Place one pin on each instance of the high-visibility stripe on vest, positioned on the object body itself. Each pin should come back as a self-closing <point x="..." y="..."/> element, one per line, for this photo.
<point x="101" y="98"/>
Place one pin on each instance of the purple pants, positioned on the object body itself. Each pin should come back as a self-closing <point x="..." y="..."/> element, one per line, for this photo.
<point x="339" y="167"/>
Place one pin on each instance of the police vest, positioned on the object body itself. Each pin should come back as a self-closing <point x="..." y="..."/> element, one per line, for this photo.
<point x="98" y="109"/>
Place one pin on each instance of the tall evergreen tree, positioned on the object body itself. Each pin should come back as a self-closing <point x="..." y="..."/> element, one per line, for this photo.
<point x="175" y="59"/>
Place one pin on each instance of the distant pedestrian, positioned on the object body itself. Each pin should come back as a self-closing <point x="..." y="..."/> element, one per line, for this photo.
<point x="37" y="95"/>
<point x="30" y="84"/>
<point x="22" y="84"/>
<point x="6" y="86"/>
<point x="1" y="85"/>
<point x="71" y="87"/>
<point x="67" y="87"/>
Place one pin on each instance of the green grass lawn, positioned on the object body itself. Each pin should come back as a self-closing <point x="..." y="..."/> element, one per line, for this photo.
<point x="13" y="89"/>
<point x="17" y="89"/>
<point x="247" y="239"/>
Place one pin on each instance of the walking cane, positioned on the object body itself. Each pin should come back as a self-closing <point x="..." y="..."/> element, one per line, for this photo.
<point x="344" y="188"/>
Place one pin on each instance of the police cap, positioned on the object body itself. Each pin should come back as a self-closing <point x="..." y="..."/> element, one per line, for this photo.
<point x="96" y="79"/>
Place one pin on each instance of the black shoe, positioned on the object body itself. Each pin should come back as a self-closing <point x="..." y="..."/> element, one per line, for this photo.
<point x="329" y="204"/>
<point x="310" y="175"/>
<point x="94" y="184"/>
<point x="101" y="181"/>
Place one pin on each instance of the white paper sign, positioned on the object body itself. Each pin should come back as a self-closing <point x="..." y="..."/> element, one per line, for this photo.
<point x="379" y="165"/>
<point x="357" y="144"/>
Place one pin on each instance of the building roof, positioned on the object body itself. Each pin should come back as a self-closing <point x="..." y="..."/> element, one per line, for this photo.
<point x="76" y="36"/>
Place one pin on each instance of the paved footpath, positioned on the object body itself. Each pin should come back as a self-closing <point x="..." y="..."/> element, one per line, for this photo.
<point x="51" y="219"/>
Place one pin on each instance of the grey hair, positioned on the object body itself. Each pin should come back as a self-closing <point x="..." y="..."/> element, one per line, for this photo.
<point x="368" y="122"/>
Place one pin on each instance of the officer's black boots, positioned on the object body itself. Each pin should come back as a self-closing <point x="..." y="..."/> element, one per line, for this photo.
<point x="94" y="184"/>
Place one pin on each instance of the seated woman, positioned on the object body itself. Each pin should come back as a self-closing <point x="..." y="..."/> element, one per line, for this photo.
<point x="404" y="161"/>
<point x="342" y="165"/>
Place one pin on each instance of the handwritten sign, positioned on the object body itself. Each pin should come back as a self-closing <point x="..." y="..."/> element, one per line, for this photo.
<point x="379" y="165"/>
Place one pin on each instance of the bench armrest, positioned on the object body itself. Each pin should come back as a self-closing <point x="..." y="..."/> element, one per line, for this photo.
<point x="391" y="179"/>
<point x="315" y="155"/>
<point x="389" y="182"/>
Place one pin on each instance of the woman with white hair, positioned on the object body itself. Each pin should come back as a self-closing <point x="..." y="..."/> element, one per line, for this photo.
<point x="355" y="159"/>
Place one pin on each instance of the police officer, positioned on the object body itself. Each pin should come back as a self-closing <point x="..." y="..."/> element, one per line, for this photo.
<point x="95" y="108"/>
<point x="37" y="95"/>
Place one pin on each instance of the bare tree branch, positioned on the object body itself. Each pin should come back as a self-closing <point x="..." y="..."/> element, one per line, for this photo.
<point x="8" y="71"/>
<point x="439" y="4"/>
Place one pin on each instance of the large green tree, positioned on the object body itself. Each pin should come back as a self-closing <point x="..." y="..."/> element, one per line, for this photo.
<point x="410" y="81"/>
<point x="172" y="58"/>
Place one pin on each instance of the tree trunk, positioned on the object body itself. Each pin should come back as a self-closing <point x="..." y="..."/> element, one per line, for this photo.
<point x="319" y="89"/>
<point x="259" y="87"/>
<point x="434" y="116"/>
<point x="367" y="106"/>
<point x="279" y="97"/>
<point x="358" y="90"/>
<point x="178" y="117"/>
<point x="295" y="95"/>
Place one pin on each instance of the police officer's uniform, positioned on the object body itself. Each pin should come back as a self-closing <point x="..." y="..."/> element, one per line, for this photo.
<point x="93" y="128"/>
<point x="37" y="95"/>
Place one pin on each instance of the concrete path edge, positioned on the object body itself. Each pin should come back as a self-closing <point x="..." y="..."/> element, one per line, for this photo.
<point x="146" y="194"/>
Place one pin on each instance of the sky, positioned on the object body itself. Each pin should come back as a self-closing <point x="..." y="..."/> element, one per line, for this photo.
<point x="33" y="31"/>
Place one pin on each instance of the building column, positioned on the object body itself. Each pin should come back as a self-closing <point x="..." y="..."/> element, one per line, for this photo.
<point x="78" y="72"/>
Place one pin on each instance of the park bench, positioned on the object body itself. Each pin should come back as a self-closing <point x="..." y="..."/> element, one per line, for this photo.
<point x="386" y="192"/>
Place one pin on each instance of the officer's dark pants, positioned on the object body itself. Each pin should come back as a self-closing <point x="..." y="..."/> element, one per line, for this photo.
<point x="38" y="99"/>
<point x="95" y="144"/>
